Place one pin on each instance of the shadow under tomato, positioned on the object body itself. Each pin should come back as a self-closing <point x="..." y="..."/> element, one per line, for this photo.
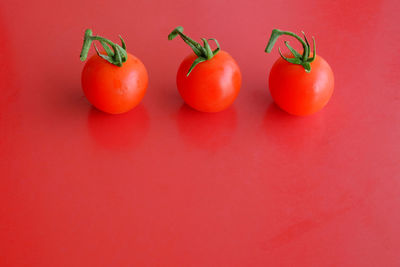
<point x="294" y="133"/>
<point x="209" y="131"/>
<point x="119" y="132"/>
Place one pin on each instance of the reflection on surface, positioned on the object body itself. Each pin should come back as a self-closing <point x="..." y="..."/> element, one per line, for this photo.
<point x="119" y="132"/>
<point x="209" y="131"/>
<point x="293" y="132"/>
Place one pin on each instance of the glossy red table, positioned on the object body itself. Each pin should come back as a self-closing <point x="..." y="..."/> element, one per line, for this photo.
<point x="164" y="185"/>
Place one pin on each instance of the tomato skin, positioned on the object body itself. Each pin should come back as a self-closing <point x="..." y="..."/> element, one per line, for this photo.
<point x="212" y="85"/>
<point x="298" y="92"/>
<point x="114" y="89"/>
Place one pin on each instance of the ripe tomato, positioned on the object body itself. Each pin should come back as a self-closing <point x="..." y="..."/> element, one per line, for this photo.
<point x="300" y="84"/>
<point x="114" y="89"/>
<point x="114" y="81"/>
<point x="207" y="80"/>
<point x="298" y="92"/>
<point x="213" y="85"/>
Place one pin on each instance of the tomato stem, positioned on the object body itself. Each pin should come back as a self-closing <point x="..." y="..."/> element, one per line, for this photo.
<point x="304" y="59"/>
<point x="115" y="55"/>
<point x="204" y="52"/>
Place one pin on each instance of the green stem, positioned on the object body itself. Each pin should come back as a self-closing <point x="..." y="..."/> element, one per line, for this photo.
<point x="203" y="53"/>
<point x="116" y="56"/>
<point x="303" y="60"/>
<point x="87" y="42"/>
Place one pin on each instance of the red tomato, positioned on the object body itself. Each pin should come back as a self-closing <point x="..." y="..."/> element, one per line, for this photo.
<point x="114" y="89"/>
<point x="212" y="85"/>
<point x="298" y="92"/>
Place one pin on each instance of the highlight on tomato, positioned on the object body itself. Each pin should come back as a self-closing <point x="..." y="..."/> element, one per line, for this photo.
<point x="113" y="81"/>
<point x="208" y="80"/>
<point x="300" y="84"/>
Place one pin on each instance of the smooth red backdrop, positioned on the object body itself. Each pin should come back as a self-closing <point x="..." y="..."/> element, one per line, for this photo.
<point x="164" y="185"/>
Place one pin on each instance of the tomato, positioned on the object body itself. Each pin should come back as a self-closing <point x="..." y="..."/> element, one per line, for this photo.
<point x="213" y="85"/>
<point x="298" y="92"/>
<point x="114" y="81"/>
<point x="208" y="81"/>
<point x="114" y="89"/>
<point x="300" y="84"/>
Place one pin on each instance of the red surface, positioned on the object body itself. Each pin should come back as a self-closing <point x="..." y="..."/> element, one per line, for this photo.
<point x="166" y="186"/>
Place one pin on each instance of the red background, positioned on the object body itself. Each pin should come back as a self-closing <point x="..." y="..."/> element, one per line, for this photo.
<point x="167" y="186"/>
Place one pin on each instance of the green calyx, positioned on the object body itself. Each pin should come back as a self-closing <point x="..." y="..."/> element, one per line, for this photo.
<point x="203" y="52"/>
<point x="116" y="55"/>
<point x="304" y="59"/>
